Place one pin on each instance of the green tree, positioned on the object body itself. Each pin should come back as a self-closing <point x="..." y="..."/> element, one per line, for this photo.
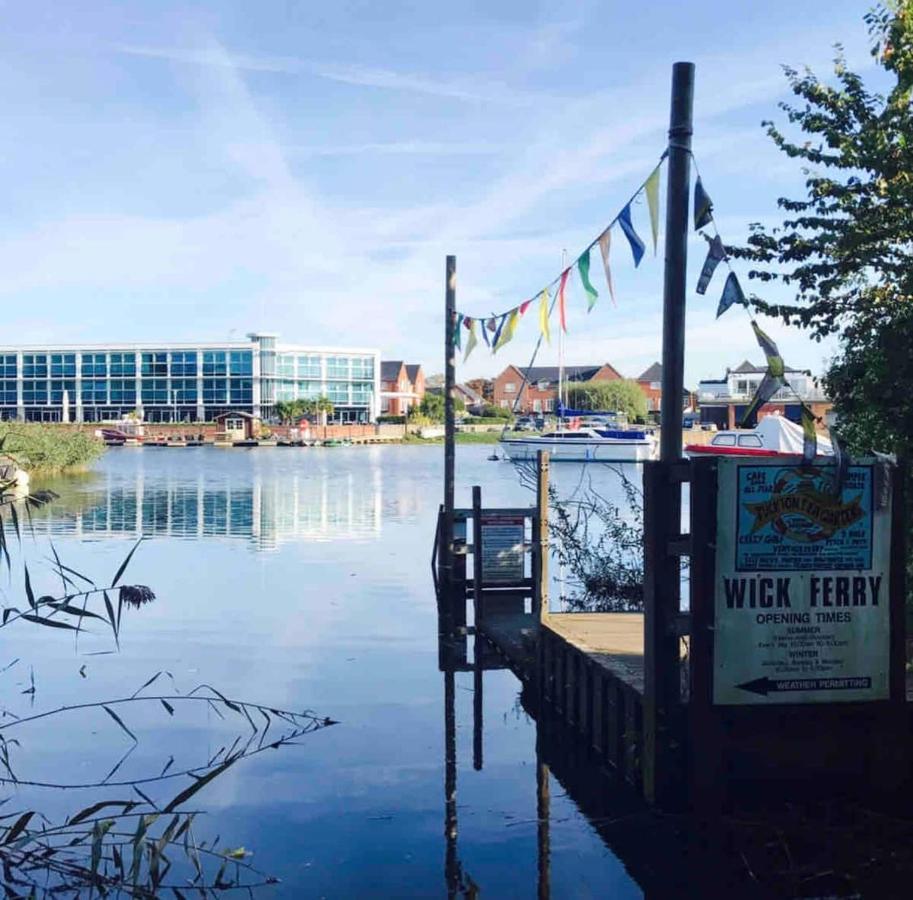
<point x="846" y="247"/>
<point x="621" y="395"/>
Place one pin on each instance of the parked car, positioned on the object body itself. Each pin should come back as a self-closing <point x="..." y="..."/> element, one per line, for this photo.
<point x="525" y="423"/>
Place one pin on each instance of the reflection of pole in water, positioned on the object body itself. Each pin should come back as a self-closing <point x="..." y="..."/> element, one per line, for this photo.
<point x="451" y="863"/>
<point x="543" y="840"/>
<point x="477" y="702"/>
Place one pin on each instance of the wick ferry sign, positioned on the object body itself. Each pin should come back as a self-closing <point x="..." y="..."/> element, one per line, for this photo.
<point x="802" y="611"/>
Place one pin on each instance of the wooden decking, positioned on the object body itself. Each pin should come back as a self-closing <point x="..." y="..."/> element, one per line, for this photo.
<point x="614" y="641"/>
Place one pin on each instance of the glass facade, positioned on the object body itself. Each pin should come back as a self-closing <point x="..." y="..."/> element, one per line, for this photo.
<point x="170" y="384"/>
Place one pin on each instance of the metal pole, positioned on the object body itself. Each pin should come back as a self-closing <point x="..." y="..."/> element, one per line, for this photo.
<point x="680" y="129"/>
<point x="449" y="449"/>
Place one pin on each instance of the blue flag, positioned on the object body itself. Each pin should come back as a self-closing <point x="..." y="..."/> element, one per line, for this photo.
<point x="732" y="293"/>
<point x="637" y="245"/>
<point x="715" y="253"/>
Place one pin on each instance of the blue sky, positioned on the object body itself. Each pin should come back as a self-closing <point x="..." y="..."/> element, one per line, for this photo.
<point x="194" y="170"/>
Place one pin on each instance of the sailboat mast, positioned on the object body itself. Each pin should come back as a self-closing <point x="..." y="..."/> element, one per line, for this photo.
<point x="562" y="398"/>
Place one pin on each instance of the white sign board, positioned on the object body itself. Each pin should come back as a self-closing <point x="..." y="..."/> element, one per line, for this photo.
<point x="801" y="595"/>
<point x="502" y="548"/>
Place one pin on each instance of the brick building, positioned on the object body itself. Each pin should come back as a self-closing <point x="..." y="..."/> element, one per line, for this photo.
<point x="650" y="381"/>
<point x="540" y="393"/>
<point x="402" y="386"/>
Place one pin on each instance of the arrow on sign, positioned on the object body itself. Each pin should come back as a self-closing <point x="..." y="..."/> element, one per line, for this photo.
<point x="765" y="685"/>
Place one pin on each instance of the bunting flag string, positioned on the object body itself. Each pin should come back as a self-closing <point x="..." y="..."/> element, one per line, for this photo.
<point x="499" y="328"/>
<point x="716" y="253"/>
<point x="543" y="316"/>
<point x="732" y="293"/>
<point x="562" y="300"/>
<point x="773" y="378"/>
<point x="583" y="266"/>
<point x="651" y="189"/>
<point x="605" y="243"/>
<point x="637" y="245"/>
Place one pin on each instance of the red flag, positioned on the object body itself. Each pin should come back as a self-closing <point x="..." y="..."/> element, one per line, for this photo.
<point x="561" y="311"/>
<point x="524" y="306"/>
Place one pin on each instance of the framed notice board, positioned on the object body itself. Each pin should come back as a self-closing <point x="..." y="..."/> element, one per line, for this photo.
<point x="802" y="583"/>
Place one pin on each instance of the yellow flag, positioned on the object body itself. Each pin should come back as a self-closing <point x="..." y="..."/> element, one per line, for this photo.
<point x="508" y="329"/>
<point x="543" y="316"/>
<point x="651" y="188"/>
<point x="473" y="339"/>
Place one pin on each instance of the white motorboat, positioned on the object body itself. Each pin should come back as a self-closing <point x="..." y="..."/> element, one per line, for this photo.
<point x="581" y="445"/>
<point x="773" y="436"/>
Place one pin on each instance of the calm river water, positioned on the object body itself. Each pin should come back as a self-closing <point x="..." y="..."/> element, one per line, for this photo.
<point x="301" y="579"/>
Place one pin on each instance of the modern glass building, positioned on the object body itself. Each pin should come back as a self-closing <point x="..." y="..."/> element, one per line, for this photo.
<point x="184" y="382"/>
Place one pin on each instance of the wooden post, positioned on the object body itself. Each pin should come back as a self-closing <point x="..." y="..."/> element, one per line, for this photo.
<point x="662" y="492"/>
<point x="478" y="594"/>
<point x="449" y="425"/>
<point x="676" y="267"/>
<point x="540" y="570"/>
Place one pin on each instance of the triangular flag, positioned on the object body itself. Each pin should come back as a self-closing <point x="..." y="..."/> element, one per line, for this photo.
<point x="651" y="189"/>
<point x="496" y="337"/>
<point x="715" y="253"/>
<point x="605" y="243"/>
<point x="472" y="340"/>
<point x="769" y="386"/>
<point x="732" y="293"/>
<point x="809" y="437"/>
<point x="583" y="266"/>
<point x="562" y="309"/>
<point x="543" y="316"/>
<point x="524" y="306"/>
<point x="507" y="329"/>
<point x="457" y="334"/>
<point x="775" y="365"/>
<point x="485" y="332"/>
<point x="703" y="206"/>
<point x="637" y="245"/>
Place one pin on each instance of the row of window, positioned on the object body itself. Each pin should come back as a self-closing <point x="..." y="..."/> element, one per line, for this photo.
<point x="291" y="365"/>
<point x="155" y="363"/>
<point x="337" y="392"/>
<point x="123" y="391"/>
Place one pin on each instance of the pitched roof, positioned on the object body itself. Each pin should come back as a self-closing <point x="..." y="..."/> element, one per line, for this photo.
<point x="412" y="371"/>
<point x="550" y="373"/>
<point x="389" y="369"/>
<point x="747" y="368"/>
<point x="474" y="396"/>
<point x="652" y="373"/>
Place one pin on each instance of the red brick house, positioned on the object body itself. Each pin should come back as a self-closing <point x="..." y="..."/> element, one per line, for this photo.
<point x="540" y="394"/>
<point x="650" y="381"/>
<point x="402" y="386"/>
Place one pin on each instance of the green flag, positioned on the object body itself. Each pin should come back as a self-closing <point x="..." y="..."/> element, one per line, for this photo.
<point x="583" y="266"/>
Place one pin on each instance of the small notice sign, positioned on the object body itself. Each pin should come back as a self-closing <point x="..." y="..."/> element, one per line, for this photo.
<point x="502" y="548"/>
<point x="802" y="599"/>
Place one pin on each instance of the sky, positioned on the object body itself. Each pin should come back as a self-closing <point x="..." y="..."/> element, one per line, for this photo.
<point x="195" y="171"/>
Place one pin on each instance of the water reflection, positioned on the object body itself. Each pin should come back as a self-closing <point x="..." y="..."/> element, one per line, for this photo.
<point x="268" y="511"/>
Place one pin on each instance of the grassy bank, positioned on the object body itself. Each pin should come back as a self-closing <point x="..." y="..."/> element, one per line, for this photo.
<point x="48" y="448"/>
<point x="462" y="437"/>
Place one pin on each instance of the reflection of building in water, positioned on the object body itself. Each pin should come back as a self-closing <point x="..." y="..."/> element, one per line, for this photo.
<point x="269" y="511"/>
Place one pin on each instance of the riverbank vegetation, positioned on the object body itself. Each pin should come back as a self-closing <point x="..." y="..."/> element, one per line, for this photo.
<point x="48" y="448"/>
<point x="846" y="247"/>
<point x="621" y="396"/>
<point x="132" y="832"/>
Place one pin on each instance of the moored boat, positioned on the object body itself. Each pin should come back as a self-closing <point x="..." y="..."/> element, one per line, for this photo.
<point x="581" y="445"/>
<point x="774" y="436"/>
